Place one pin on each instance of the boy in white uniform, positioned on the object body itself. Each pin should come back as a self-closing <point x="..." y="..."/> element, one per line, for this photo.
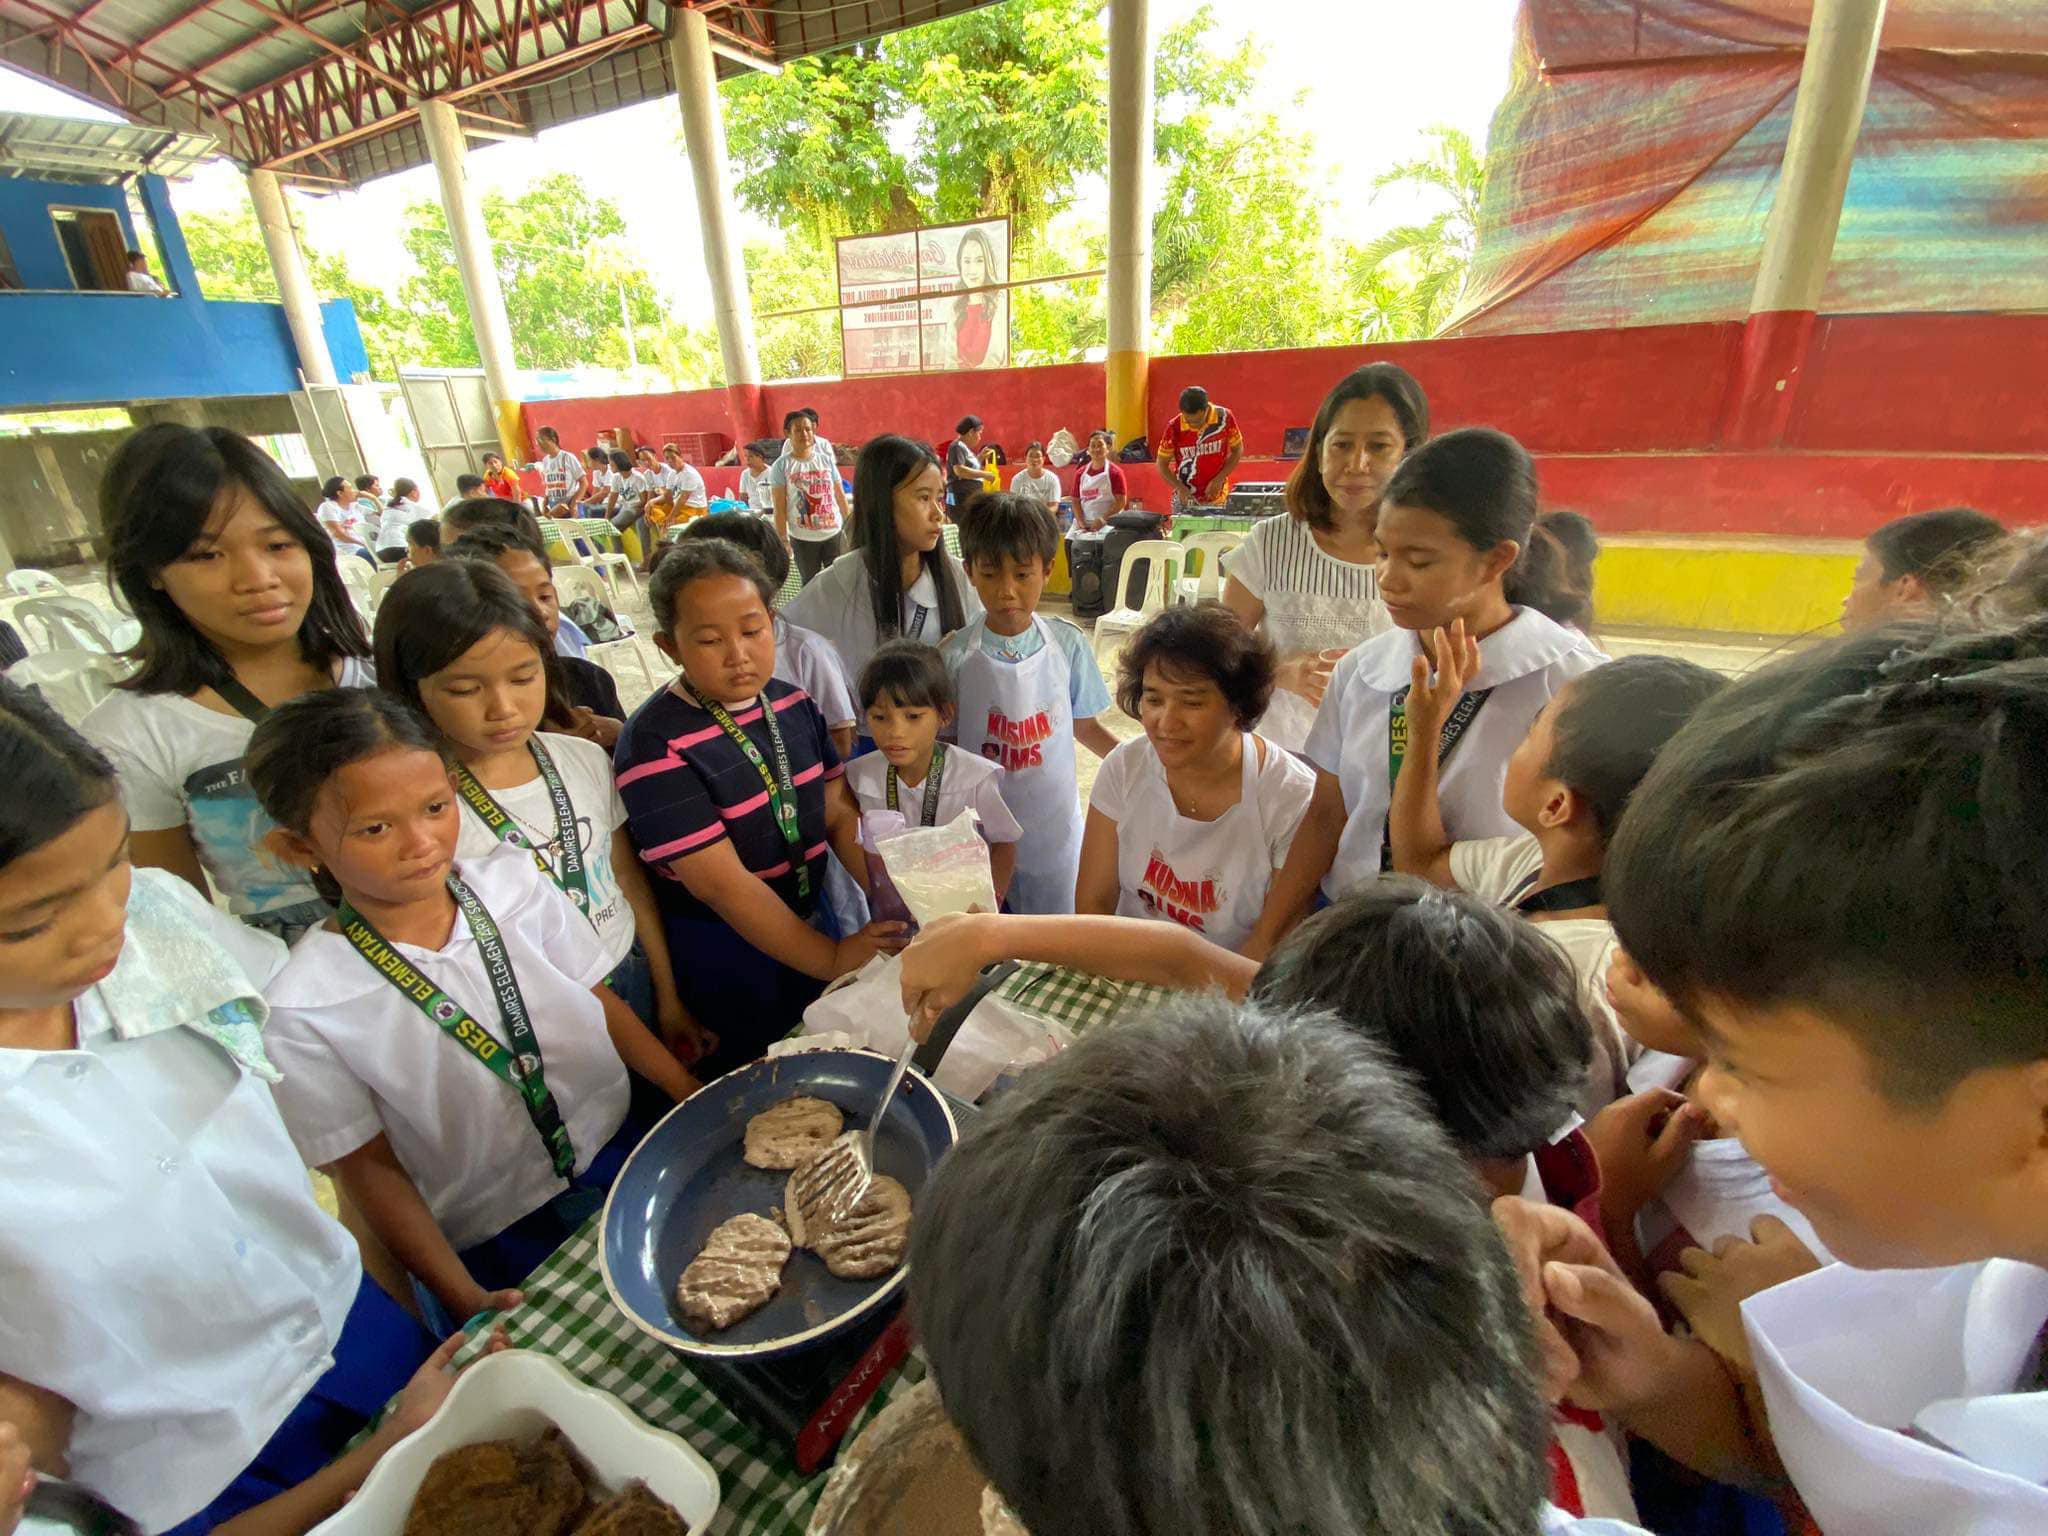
<point x="1835" y="871"/>
<point x="1028" y="690"/>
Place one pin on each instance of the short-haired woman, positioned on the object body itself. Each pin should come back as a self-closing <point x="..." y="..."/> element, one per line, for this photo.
<point x="1307" y="578"/>
<point x="965" y="476"/>
<point x="1188" y="823"/>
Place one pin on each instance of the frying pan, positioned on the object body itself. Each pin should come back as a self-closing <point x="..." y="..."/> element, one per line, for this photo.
<point x="688" y="1175"/>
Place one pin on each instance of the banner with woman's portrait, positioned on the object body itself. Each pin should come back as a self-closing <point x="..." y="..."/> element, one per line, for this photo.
<point x="928" y="300"/>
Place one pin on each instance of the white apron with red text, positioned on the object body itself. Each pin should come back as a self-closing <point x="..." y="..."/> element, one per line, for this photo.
<point x="1211" y="876"/>
<point x="1852" y="1359"/>
<point x="1021" y="714"/>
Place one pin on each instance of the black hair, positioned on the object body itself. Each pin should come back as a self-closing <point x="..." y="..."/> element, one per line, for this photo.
<point x="910" y="672"/>
<point x="466" y="485"/>
<point x="425" y="532"/>
<point x="1307" y="497"/>
<point x="811" y="412"/>
<point x="434" y="614"/>
<point x="1240" y="1283"/>
<point x="1483" y="483"/>
<point x="598" y="456"/>
<point x="54" y="775"/>
<point x="1476" y="1002"/>
<point x="488" y="541"/>
<point x="165" y="483"/>
<point x="1034" y="447"/>
<point x="490" y="456"/>
<point x="788" y="417"/>
<point x="1005" y="526"/>
<point x="1194" y="398"/>
<point x="401" y="488"/>
<point x="304" y="742"/>
<point x="1611" y="723"/>
<point x="135" y="255"/>
<point x="364" y="482"/>
<point x="752" y="533"/>
<point x="887" y="462"/>
<point x="622" y="461"/>
<point x="551" y="434"/>
<point x="1861" y="830"/>
<point x="967" y="424"/>
<point x="459" y="517"/>
<point x="1943" y="547"/>
<point x="331" y="487"/>
<point x="690" y="560"/>
<point x="764" y="449"/>
<point x="1578" y="542"/>
<point x="1200" y="640"/>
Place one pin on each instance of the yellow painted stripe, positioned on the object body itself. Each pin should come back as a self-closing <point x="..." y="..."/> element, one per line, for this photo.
<point x="1749" y="590"/>
<point x="511" y="431"/>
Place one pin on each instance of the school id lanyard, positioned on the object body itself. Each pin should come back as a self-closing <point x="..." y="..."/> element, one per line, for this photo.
<point x="574" y="879"/>
<point x="520" y="1064"/>
<point x="781" y="787"/>
<point x="929" y="816"/>
<point x="1463" y="713"/>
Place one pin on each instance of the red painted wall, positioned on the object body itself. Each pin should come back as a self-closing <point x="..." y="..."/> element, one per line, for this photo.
<point x="1894" y="413"/>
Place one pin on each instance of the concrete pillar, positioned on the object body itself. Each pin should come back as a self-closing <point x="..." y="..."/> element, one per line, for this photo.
<point x="294" y="286"/>
<point x="1130" y="216"/>
<point x="1799" y="239"/>
<point x="450" y="154"/>
<point x="696" y="80"/>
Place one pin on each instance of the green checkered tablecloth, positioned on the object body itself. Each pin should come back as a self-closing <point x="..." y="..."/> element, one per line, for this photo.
<point x="1079" y="1000"/>
<point x="569" y="1317"/>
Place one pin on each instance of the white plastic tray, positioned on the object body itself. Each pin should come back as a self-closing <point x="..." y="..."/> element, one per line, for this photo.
<point x="516" y="1395"/>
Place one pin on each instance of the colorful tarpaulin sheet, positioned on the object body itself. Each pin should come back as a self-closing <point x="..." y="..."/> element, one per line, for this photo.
<point x="1631" y="167"/>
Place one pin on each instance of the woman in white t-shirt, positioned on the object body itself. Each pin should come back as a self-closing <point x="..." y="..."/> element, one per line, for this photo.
<point x="461" y="644"/>
<point x="810" y="501"/>
<point x="341" y="513"/>
<point x="1307" y="577"/>
<point x="241" y="608"/>
<point x="901" y="580"/>
<point x="1188" y="823"/>
<point x="1034" y="479"/>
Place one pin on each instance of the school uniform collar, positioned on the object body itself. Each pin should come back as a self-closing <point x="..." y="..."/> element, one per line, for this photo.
<point x="1526" y="644"/>
<point x="168" y="978"/>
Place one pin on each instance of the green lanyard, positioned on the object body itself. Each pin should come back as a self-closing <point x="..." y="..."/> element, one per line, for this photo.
<point x="781" y="788"/>
<point x="930" y="815"/>
<point x="574" y="879"/>
<point x="1462" y="715"/>
<point x="520" y="1063"/>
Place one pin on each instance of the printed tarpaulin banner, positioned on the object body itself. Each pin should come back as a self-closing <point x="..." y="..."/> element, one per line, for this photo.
<point x="1632" y="165"/>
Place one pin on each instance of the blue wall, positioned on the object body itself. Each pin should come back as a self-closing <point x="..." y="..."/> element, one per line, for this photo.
<point x="99" y="348"/>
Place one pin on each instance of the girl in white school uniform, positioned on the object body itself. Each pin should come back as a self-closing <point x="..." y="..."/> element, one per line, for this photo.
<point x="462" y="645"/>
<point x="450" y="1051"/>
<point x="185" y="1332"/>
<point x="1187" y="823"/>
<point x="241" y="608"/>
<point x="1456" y="542"/>
<point x="906" y="700"/>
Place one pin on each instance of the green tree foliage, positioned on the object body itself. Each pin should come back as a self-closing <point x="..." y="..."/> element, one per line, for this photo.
<point x="554" y="246"/>
<point x="1424" y="265"/>
<point x="999" y="111"/>
<point x="233" y="263"/>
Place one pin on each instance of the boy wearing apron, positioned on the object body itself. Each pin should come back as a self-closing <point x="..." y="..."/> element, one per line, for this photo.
<point x="1028" y="689"/>
<point x="1855" y="933"/>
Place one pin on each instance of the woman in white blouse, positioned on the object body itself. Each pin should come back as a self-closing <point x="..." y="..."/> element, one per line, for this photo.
<point x="1307" y="578"/>
<point x="1188" y="823"/>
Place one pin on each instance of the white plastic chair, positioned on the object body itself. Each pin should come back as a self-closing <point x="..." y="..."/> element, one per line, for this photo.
<point x="638" y="650"/>
<point x="608" y="556"/>
<point x="381" y="581"/>
<point x="360" y="580"/>
<point x="71" y="681"/>
<point x="34" y="583"/>
<point x="1162" y="561"/>
<point x="65" y="624"/>
<point x="1207" y="582"/>
<point x="575" y="581"/>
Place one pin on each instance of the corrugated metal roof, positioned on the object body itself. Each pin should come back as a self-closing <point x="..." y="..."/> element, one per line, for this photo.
<point x="269" y="78"/>
<point x="73" y="149"/>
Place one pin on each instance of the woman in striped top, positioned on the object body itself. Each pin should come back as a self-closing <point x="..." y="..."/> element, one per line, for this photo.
<point x="733" y="795"/>
<point x="1307" y="578"/>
